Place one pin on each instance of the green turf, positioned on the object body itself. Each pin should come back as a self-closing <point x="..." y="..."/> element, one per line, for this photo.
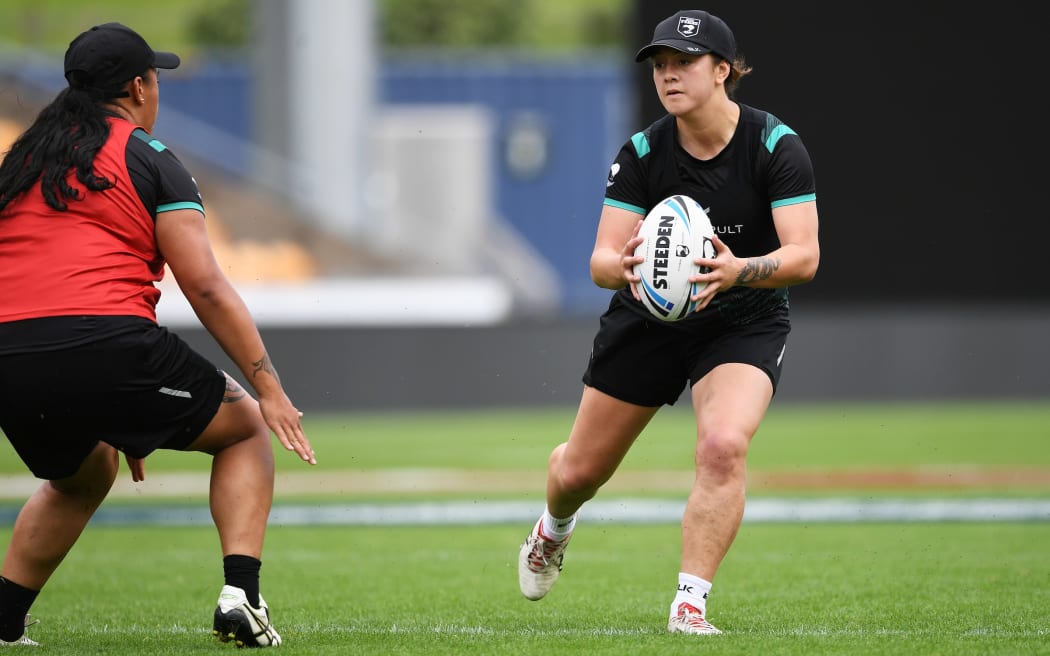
<point x="868" y="588"/>
<point x="817" y="436"/>
<point x="796" y="439"/>
<point x="905" y="434"/>
<point x="945" y="589"/>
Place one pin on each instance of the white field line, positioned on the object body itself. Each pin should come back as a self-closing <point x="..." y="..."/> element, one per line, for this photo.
<point x="616" y="503"/>
<point x="625" y="510"/>
<point x="631" y="510"/>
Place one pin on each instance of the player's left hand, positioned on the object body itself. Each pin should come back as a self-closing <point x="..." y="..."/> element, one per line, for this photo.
<point x="719" y="273"/>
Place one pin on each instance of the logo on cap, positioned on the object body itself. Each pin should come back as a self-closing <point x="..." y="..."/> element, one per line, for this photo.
<point x="688" y="26"/>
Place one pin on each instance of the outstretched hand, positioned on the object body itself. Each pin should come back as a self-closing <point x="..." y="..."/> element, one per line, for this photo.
<point x="285" y="420"/>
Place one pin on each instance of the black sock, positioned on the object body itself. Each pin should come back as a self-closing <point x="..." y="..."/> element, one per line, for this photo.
<point x="243" y="572"/>
<point x="15" y="601"/>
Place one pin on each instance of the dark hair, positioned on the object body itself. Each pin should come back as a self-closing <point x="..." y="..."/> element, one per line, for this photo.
<point x="738" y="68"/>
<point x="67" y="134"/>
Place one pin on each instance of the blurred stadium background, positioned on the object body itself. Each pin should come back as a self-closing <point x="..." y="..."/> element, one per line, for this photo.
<point x="406" y="191"/>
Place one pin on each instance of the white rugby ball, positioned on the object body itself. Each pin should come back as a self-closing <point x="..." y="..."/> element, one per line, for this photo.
<point x="674" y="233"/>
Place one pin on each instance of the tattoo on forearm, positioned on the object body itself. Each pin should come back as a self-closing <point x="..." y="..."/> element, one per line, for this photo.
<point x="234" y="392"/>
<point x="758" y="268"/>
<point x="264" y="365"/>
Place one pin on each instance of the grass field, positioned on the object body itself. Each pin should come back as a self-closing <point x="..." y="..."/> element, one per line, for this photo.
<point x="814" y="437"/>
<point x="790" y="589"/>
<point x="957" y="449"/>
<point x="882" y="587"/>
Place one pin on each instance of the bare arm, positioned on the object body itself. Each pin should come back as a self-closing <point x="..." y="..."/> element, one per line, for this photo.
<point x="183" y="241"/>
<point x="613" y="260"/>
<point x="795" y="262"/>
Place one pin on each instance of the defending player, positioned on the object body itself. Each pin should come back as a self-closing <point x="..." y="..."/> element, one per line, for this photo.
<point x="92" y="208"/>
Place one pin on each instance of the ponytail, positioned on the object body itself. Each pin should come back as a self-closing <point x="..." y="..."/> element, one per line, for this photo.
<point x="67" y="134"/>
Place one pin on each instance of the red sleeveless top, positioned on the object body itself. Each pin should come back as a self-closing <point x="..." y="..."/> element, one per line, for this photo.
<point x="99" y="257"/>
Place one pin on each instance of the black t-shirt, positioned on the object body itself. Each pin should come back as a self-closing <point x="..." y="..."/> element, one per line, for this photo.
<point x="160" y="179"/>
<point x="763" y="166"/>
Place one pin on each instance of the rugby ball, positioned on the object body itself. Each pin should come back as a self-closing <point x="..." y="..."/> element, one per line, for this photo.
<point x="674" y="234"/>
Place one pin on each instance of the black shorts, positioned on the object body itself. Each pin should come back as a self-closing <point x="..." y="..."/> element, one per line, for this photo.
<point x="648" y="362"/>
<point x="140" y="390"/>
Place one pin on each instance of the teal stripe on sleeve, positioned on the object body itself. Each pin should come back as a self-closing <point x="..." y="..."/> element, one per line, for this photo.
<point x="641" y="144"/>
<point x="624" y="206"/>
<point x="142" y="135"/>
<point x="793" y="201"/>
<point x="185" y="205"/>
<point x="775" y="135"/>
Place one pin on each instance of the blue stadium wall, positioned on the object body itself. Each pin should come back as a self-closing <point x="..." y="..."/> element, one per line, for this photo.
<point x="581" y="111"/>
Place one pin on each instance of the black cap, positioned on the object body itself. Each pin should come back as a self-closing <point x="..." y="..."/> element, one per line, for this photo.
<point x="107" y="56"/>
<point x="694" y="32"/>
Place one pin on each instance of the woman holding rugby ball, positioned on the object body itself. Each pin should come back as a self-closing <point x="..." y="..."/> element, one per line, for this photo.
<point x="753" y="176"/>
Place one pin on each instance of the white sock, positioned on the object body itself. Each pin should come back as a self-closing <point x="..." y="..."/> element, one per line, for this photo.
<point x="692" y="590"/>
<point x="556" y="528"/>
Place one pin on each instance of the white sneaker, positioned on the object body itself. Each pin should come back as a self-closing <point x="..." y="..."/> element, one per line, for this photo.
<point x="690" y="620"/>
<point x="539" y="563"/>
<point x="237" y="620"/>
<point x="25" y="640"/>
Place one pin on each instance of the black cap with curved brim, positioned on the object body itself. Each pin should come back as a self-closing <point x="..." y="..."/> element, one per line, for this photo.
<point x="107" y="56"/>
<point x="693" y="32"/>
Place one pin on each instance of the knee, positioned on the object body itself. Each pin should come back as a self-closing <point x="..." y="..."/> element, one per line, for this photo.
<point x="259" y="441"/>
<point x="574" y="477"/>
<point x="722" y="452"/>
<point x="94" y="478"/>
<point x="255" y="440"/>
<point x="263" y="445"/>
<point x="236" y="427"/>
